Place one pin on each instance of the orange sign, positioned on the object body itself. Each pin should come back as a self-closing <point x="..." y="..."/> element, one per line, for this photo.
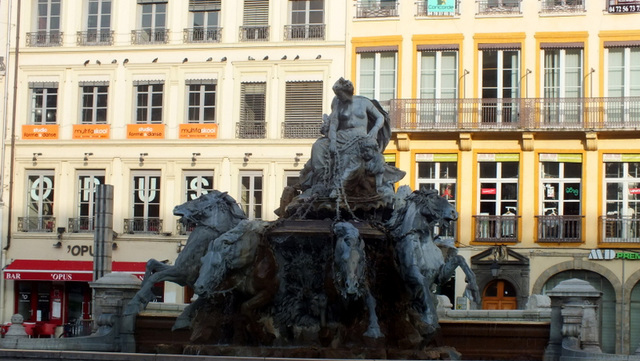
<point x="198" y="131"/>
<point x="91" y="131"/>
<point x="48" y="131"/>
<point x="145" y="131"/>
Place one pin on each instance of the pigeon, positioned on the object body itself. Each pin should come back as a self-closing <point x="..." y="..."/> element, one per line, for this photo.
<point x="284" y="58"/>
<point x="209" y="59"/>
<point x="297" y="57"/>
<point x="86" y="62"/>
<point x="154" y="60"/>
<point x="185" y="60"/>
<point x="250" y="58"/>
<point x="266" y="58"/>
<point x="224" y="58"/>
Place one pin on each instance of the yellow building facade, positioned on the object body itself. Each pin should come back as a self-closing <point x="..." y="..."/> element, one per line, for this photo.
<point x="525" y="115"/>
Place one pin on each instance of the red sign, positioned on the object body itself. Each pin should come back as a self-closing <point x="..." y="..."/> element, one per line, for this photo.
<point x="56" y="270"/>
<point x="634" y="190"/>
<point x="488" y="191"/>
<point x="145" y="131"/>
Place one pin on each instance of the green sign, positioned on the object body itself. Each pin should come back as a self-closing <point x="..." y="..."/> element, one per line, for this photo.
<point x="441" y="6"/>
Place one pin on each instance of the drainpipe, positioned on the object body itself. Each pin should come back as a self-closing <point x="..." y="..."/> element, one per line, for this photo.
<point x="13" y="128"/>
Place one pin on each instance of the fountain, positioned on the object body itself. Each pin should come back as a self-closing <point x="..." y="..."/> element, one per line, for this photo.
<point x="347" y="270"/>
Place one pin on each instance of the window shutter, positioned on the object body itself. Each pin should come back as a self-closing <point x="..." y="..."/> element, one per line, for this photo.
<point x="93" y="83"/>
<point x="204" y="5"/>
<point x="201" y="81"/>
<point x="303" y="101"/>
<point x="43" y="84"/>
<point x="256" y="12"/>
<point x="252" y="108"/>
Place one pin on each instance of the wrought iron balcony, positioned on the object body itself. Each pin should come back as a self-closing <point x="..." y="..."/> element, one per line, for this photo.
<point x="376" y="9"/>
<point x="496" y="229"/>
<point x="44" y="38"/>
<point x="620" y="229"/>
<point x="562" y="6"/>
<point x="448" y="233"/>
<point x="81" y="224"/>
<point x="94" y="37"/>
<point x="422" y="9"/>
<point x="185" y="228"/>
<point x="304" y="32"/>
<point x="301" y="129"/>
<point x="150" y="36"/>
<point x="515" y="114"/>
<point x="556" y="228"/>
<point x="251" y="130"/>
<point x="36" y="224"/>
<point x="203" y="35"/>
<point x="254" y="33"/>
<point x="499" y="7"/>
<point x="142" y="225"/>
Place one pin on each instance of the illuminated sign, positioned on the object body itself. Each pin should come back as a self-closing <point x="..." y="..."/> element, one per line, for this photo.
<point x="48" y="131"/>
<point x="91" y="131"/>
<point x="198" y="131"/>
<point x="145" y="131"/>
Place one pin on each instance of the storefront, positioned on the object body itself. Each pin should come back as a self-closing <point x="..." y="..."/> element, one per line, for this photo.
<point x="56" y="292"/>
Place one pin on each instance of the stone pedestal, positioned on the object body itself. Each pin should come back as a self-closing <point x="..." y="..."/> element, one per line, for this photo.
<point x="111" y="293"/>
<point x="574" y="316"/>
<point x="16" y="330"/>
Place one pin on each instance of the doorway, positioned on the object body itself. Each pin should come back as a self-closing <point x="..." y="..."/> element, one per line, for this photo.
<point x="499" y="295"/>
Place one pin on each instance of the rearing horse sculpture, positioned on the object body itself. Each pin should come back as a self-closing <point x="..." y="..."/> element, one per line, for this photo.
<point x="423" y="260"/>
<point x="213" y="214"/>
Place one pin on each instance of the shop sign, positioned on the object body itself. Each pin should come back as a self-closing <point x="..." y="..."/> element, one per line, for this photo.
<point x="623" y="6"/>
<point x="441" y="6"/>
<point x="198" y="131"/>
<point x="488" y="191"/>
<point x="145" y="131"/>
<point x="634" y="190"/>
<point x="91" y="131"/>
<point x="609" y="254"/>
<point x="44" y="131"/>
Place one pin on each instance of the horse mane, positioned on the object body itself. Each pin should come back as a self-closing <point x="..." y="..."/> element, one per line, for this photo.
<point x="415" y="200"/>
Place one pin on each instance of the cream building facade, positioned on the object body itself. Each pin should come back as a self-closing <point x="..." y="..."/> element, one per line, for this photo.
<point x="525" y="114"/>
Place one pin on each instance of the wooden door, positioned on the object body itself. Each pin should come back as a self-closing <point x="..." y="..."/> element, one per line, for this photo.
<point x="499" y="295"/>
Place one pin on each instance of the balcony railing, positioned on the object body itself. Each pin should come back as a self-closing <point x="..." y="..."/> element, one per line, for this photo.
<point x="251" y="130"/>
<point x="202" y="35"/>
<point x="301" y="129"/>
<point x="496" y="229"/>
<point x="81" y="224"/>
<point x="142" y="225"/>
<point x="150" y="36"/>
<point x="446" y="233"/>
<point x="499" y="7"/>
<point x="563" y="229"/>
<point x="304" y="32"/>
<point x="36" y="224"/>
<point x="183" y="228"/>
<point x="562" y="6"/>
<point x="617" y="229"/>
<point x="94" y="37"/>
<point x="376" y="9"/>
<point x="254" y="33"/>
<point x="515" y="114"/>
<point x="422" y="9"/>
<point x="44" y="38"/>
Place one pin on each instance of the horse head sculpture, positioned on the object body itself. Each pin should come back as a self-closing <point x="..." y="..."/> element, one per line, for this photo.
<point x="349" y="260"/>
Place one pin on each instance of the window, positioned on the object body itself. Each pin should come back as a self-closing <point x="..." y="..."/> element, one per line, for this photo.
<point x="622" y="193"/>
<point x="94" y="102"/>
<point x="307" y="19"/>
<point x="439" y="172"/>
<point x="623" y="80"/>
<point x="500" y="84"/>
<point x="201" y="96"/>
<point x="44" y="103"/>
<point x="560" y="198"/>
<point x="377" y="74"/>
<point x="146" y="203"/>
<point x="88" y="181"/>
<point x="251" y="194"/>
<point x="376" y="8"/>
<point x="252" y="110"/>
<point x="47" y="24"/>
<point x="303" y="109"/>
<point x="255" y="21"/>
<point x="205" y="19"/>
<point x="148" y="102"/>
<point x="498" y="176"/>
<point x="498" y="7"/>
<point x="197" y="183"/>
<point x="562" y="6"/>
<point x="438" y="86"/>
<point x="98" y="31"/>
<point x="40" y="196"/>
<point x="562" y="79"/>
<point x="153" y="19"/>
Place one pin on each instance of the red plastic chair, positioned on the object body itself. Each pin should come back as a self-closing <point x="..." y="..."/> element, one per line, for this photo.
<point x="29" y="328"/>
<point x="47" y="329"/>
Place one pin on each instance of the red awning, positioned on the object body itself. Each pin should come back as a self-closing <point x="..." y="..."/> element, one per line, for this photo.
<point x="57" y="270"/>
